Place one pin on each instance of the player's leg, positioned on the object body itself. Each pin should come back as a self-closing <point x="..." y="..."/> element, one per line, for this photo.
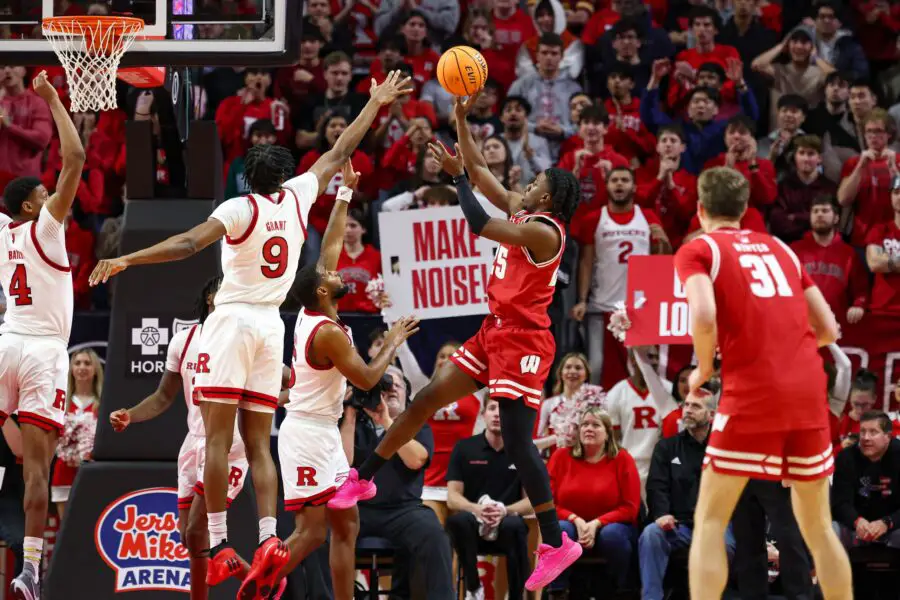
<point x="196" y="539"/>
<point x="42" y="374"/>
<point x="808" y="468"/>
<point x="310" y="531"/>
<point x="342" y="553"/>
<point x="218" y="419"/>
<point x="708" y="561"/>
<point x="449" y="384"/>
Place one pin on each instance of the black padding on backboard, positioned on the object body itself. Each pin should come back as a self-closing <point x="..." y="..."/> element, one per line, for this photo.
<point x="149" y="303"/>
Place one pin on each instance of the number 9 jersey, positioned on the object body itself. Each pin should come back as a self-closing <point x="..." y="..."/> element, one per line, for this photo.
<point x="772" y="374"/>
<point x="264" y="235"/>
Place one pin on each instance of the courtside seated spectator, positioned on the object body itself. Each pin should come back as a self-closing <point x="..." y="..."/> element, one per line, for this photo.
<point x="597" y="493"/>
<point x="672" y="489"/>
<point x="25" y="125"/>
<point x="570" y="385"/>
<point x="863" y="394"/>
<point x="396" y="512"/>
<point x="865" y="496"/>
<point x="484" y="490"/>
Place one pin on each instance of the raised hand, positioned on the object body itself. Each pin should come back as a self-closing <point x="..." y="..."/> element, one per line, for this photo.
<point x="392" y="88"/>
<point x="661" y="68"/>
<point x="106" y="269"/>
<point x="453" y="165"/>
<point x="44" y="88"/>
<point x="462" y="107"/>
<point x="735" y="70"/>
<point x="402" y="330"/>
<point x="351" y="177"/>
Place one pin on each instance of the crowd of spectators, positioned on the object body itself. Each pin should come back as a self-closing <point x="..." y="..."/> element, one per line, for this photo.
<point x="635" y="98"/>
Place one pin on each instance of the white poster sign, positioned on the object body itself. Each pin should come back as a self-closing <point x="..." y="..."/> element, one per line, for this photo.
<point x="432" y="264"/>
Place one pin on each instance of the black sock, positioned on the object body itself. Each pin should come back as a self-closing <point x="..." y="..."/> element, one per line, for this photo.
<point x="370" y="466"/>
<point x="549" y="524"/>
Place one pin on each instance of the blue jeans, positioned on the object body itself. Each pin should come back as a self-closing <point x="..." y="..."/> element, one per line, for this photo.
<point x="654" y="548"/>
<point x="615" y="542"/>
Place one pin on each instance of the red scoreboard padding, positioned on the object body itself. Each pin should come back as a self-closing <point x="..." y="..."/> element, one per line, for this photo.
<point x="656" y="303"/>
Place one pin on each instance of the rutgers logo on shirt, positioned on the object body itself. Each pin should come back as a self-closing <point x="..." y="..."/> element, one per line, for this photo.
<point x="645" y="417"/>
<point x="892" y="247"/>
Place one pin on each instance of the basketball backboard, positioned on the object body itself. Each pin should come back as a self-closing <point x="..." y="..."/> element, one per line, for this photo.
<point x="177" y="32"/>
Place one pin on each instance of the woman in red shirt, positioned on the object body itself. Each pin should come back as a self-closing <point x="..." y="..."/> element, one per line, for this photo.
<point x="357" y="264"/>
<point x="83" y="396"/>
<point x="597" y="492"/>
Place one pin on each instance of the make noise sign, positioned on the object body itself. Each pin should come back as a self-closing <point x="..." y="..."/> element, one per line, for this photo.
<point x="432" y="264"/>
<point x="657" y="303"/>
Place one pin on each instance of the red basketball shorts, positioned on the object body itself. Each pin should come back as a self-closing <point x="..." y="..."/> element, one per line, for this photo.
<point x="797" y="454"/>
<point x="512" y="361"/>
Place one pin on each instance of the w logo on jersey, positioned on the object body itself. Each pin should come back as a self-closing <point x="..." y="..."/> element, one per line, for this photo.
<point x="530" y="363"/>
<point x="719" y="422"/>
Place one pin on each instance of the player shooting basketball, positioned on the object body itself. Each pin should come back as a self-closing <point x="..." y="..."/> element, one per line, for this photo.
<point x="513" y="351"/>
<point x="750" y="296"/>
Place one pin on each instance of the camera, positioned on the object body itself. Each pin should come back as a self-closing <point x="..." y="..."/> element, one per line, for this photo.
<point x="369" y="399"/>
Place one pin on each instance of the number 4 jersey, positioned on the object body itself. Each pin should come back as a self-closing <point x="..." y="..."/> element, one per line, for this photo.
<point x="36" y="278"/>
<point x="264" y="235"/>
<point x="772" y="374"/>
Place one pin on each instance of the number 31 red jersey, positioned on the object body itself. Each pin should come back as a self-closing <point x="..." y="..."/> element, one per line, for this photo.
<point x="772" y="374"/>
<point x="520" y="289"/>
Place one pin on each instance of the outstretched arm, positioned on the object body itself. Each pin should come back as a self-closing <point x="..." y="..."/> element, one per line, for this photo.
<point x="177" y="247"/>
<point x="70" y="148"/>
<point x="381" y="95"/>
<point x="475" y="164"/>
<point x="333" y="239"/>
<point x="702" y="301"/>
<point x="150" y="407"/>
<point x="821" y="318"/>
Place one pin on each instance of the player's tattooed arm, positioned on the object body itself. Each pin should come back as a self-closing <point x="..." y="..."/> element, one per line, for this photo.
<point x="477" y="167"/>
<point x="327" y="166"/>
<point x="333" y="239"/>
<point x="880" y="261"/>
<point x="70" y="148"/>
<point x="150" y="407"/>
<point x="702" y="301"/>
<point x="177" y="247"/>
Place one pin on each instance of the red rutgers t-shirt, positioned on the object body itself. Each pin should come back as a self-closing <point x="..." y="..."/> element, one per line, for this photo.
<point x="453" y="423"/>
<point x="886" y="289"/>
<point x="356" y="273"/>
<point x="772" y="373"/>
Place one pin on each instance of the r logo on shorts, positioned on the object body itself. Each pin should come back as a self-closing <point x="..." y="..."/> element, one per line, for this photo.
<point x="306" y="476"/>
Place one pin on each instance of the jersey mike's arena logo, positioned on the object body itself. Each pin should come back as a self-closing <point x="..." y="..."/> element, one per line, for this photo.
<point x="137" y="535"/>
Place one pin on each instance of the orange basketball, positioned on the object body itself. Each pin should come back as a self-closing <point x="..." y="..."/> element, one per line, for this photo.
<point x="462" y="71"/>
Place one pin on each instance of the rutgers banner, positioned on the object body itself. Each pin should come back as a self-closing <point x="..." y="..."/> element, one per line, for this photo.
<point x="659" y="314"/>
<point x="433" y="265"/>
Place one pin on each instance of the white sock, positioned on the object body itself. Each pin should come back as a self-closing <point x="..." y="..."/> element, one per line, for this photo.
<point x="218" y="528"/>
<point x="33" y="549"/>
<point x="266" y="528"/>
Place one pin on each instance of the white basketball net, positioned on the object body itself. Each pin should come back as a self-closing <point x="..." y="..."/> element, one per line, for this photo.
<point x="90" y="53"/>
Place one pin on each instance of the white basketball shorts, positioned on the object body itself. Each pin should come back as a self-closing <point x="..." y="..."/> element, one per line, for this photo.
<point x="313" y="463"/>
<point x="191" y="462"/>
<point x="33" y="371"/>
<point x="241" y="357"/>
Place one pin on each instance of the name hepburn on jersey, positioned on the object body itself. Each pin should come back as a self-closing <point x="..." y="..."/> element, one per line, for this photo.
<point x="137" y="536"/>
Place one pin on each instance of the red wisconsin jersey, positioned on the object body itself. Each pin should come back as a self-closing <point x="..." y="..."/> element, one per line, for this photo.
<point x="772" y="373"/>
<point x="453" y="423"/>
<point x="520" y="289"/>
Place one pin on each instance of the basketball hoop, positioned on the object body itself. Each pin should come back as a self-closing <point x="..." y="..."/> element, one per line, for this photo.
<point x="90" y="49"/>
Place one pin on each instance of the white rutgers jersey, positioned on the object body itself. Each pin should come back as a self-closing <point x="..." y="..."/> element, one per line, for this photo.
<point x="317" y="390"/>
<point x="181" y="358"/>
<point x="639" y="417"/>
<point x="264" y="236"/>
<point x="614" y="243"/>
<point x="36" y="278"/>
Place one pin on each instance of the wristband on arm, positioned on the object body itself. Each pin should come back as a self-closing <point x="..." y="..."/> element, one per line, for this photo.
<point x="344" y="194"/>
<point x="475" y="214"/>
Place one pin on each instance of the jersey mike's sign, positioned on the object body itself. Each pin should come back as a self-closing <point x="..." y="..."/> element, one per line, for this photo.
<point x="137" y="536"/>
<point x="656" y="303"/>
<point x="432" y="264"/>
